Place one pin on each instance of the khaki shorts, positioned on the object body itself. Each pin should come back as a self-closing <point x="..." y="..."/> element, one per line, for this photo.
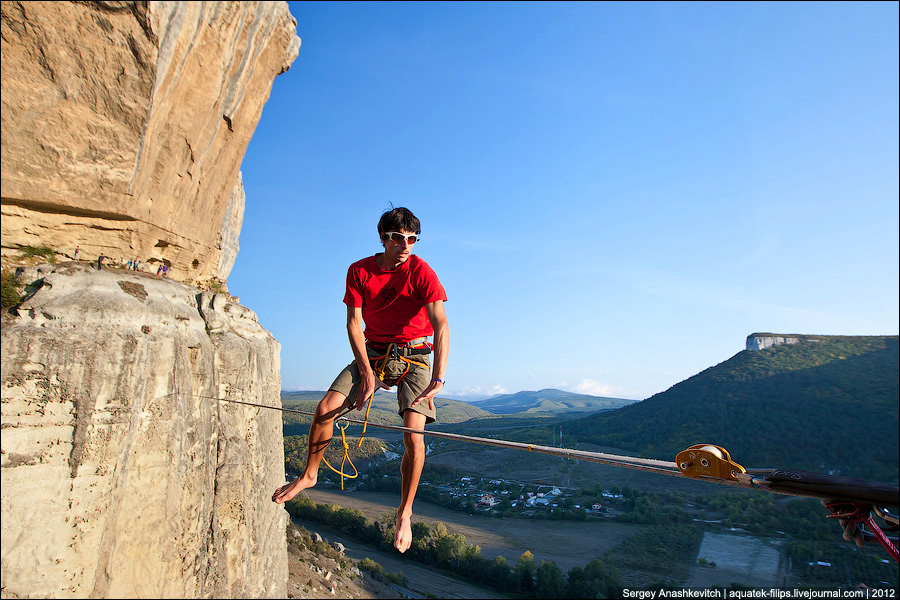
<point x="414" y="383"/>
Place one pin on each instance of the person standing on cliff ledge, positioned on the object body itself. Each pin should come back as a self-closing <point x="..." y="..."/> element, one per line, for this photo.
<point x="400" y="301"/>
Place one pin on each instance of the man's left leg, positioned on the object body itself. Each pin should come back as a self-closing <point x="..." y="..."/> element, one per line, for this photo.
<point x="410" y="472"/>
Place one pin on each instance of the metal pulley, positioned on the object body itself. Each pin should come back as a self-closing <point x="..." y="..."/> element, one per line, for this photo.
<point x="707" y="460"/>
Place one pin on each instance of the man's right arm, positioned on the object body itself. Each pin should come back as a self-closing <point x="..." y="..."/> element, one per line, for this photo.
<point x="368" y="382"/>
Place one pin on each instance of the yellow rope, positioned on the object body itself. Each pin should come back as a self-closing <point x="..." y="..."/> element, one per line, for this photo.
<point x="380" y="367"/>
<point x="345" y="459"/>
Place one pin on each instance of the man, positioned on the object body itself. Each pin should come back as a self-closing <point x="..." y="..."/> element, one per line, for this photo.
<point x="400" y="301"/>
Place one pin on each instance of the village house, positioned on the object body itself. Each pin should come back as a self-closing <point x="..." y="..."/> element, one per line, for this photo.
<point x="487" y="500"/>
<point x="537" y="501"/>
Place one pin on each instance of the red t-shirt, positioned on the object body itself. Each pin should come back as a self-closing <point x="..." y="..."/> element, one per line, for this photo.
<point x="393" y="302"/>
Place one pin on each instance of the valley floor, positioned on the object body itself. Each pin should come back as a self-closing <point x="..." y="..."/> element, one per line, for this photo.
<point x="567" y="543"/>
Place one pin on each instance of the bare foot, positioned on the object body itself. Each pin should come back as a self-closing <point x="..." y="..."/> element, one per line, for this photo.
<point x="403" y="537"/>
<point x="288" y="491"/>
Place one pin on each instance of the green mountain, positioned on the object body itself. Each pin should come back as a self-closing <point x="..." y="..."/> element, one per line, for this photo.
<point x="825" y="404"/>
<point x="550" y="401"/>
<point x="383" y="411"/>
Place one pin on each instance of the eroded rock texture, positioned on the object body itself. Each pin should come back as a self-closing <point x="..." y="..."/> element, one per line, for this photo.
<point x="124" y="125"/>
<point x="123" y="474"/>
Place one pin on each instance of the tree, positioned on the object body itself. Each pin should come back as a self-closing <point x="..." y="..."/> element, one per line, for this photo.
<point x="440" y="530"/>
<point x="524" y="571"/>
<point x="550" y="581"/>
<point x="474" y="565"/>
<point x="577" y="586"/>
<point x="420" y="530"/>
<point x="500" y="572"/>
<point x="605" y="581"/>
<point x="450" y="548"/>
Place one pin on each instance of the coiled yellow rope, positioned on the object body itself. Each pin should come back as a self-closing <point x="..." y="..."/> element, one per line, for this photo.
<point x="342" y="424"/>
<point x="380" y="367"/>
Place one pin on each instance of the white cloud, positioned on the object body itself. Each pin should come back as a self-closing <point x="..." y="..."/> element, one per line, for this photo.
<point x="482" y="391"/>
<point x="592" y="387"/>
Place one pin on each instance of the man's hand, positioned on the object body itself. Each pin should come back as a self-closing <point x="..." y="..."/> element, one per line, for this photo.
<point x="369" y="384"/>
<point x="428" y="394"/>
<point x="849" y="515"/>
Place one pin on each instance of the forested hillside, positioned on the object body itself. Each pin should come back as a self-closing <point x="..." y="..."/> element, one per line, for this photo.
<point x="826" y="406"/>
<point x="549" y="401"/>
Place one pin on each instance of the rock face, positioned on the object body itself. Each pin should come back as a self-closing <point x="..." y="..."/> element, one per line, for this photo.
<point x="124" y="125"/>
<point x="761" y="341"/>
<point x="123" y="474"/>
<point x="125" y="470"/>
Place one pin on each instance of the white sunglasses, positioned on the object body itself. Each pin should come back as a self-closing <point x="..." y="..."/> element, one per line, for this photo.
<point x="396" y="236"/>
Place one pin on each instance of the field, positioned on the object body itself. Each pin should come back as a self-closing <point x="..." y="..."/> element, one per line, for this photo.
<point x="746" y="560"/>
<point x="568" y="544"/>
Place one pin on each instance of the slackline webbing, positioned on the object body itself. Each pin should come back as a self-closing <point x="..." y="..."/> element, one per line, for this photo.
<point x="863" y="496"/>
<point x="744" y="480"/>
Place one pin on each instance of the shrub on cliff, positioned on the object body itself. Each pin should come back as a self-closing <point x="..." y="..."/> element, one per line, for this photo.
<point x="45" y="252"/>
<point x="11" y="294"/>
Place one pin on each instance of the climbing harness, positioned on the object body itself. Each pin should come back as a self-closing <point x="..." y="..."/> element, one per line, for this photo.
<point x="851" y="500"/>
<point x="391" y="352"/>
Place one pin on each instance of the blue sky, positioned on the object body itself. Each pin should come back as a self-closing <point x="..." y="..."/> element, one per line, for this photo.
<point x="614" y="195"/>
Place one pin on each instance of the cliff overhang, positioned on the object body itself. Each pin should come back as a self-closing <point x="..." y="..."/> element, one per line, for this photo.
<point x="124" y="125"/>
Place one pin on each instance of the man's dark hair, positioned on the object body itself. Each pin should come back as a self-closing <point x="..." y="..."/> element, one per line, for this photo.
<point x="397" y="219"/>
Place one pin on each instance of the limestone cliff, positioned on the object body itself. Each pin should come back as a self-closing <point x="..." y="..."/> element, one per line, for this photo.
<point x="124" y="125"/>
<point x="123" y="474"/>
<point x="761" y="341"/>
